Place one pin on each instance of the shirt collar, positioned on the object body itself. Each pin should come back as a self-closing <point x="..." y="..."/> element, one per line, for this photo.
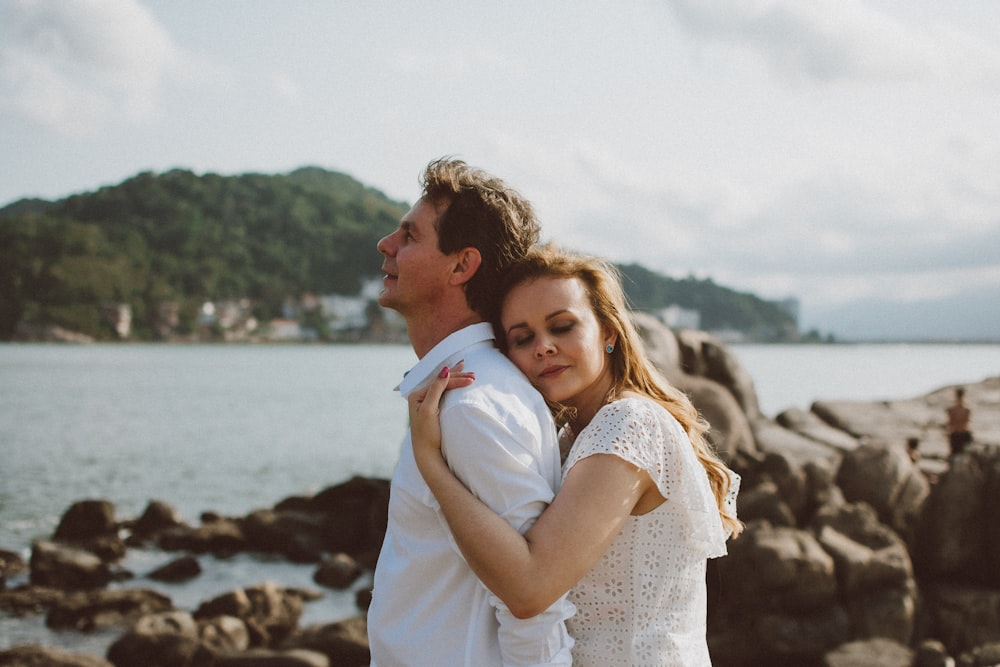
<point x="438" y="355"/>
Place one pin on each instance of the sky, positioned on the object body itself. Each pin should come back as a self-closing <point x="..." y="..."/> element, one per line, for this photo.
<point x="842" y="152"/>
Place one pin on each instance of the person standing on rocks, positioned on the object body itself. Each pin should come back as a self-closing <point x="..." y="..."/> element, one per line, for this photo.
<point x="959" y="415"/>
<point x="442" y="267"/>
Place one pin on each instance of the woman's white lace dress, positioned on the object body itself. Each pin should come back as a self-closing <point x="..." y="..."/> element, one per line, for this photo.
<point x="644" y="603"/>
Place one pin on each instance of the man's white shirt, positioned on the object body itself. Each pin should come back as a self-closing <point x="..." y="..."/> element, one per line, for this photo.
<point x="498" y="436"/>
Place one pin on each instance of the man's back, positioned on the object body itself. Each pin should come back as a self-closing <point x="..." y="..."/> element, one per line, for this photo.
<point x="428" y="607"/>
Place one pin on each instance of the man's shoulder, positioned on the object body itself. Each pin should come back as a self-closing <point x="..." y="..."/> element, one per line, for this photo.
<point x="499" y="385"/>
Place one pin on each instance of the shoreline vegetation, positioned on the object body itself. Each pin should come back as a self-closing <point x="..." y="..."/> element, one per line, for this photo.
<point x="854" y="553"/>
<point x="176" y="255"/>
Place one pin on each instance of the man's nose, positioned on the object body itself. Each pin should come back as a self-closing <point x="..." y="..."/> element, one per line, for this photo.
<point x="383" y="245"/>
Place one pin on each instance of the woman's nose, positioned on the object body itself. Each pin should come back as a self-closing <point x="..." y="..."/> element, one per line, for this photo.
<point x="544" y="348"/>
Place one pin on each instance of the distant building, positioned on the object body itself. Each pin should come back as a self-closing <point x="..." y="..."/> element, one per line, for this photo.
<point x="119" y="316"/>
<point x="282" y="329"/>
<point x="676" y="317"/>
<point x="343" y="313"/>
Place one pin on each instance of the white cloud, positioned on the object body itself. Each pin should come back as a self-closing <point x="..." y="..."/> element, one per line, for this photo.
<point x="73" y="64"/>
<point x="840" y="40"/>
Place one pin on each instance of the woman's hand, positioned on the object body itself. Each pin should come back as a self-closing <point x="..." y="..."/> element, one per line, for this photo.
<point x="425" y="408"/>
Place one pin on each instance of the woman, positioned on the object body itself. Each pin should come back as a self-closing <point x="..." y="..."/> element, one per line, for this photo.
<point x="644" y="500"/>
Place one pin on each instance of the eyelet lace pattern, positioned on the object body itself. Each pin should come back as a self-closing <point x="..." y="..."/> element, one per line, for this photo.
<point x="644" y="603"/>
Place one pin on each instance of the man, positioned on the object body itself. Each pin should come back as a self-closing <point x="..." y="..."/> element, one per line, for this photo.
<point x="958" y="423"/>
<point x="441" y="270"/>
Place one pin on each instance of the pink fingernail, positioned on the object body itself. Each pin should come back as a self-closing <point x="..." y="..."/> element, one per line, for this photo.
<point x="444" y="372"/>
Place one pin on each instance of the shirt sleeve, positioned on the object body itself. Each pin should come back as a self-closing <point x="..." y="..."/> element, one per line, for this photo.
<point x="501" y="462"/>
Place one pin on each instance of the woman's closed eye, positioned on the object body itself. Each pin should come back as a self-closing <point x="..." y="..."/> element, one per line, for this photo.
<point x="521" y="340"/>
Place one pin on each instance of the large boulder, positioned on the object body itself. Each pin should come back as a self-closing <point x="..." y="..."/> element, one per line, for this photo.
<point x="876" y="652"/>
<point x="158" y="516"/>
<point x="89" y="610"/>
<point x="298" y="536"/>
<point x="867" y="419"/>
<point x="43" y="656"/>
<point x="356" y="514"/>
<point x="706" y="356"/>
<point x="962" y="617"/>
<point x="91" y="524"/>
<point x="344" y="642"/>
<point x="958" y="538"/>
<point x="662" y="348"/>
<point x="730" y="432"/>
<point x="809" y="425"/>
<point x="166" y="639"/>
<point x="885" y="477"/>
<point x="220" y="536"/>
<point x="270" y="611"/>
<point x="64" y="566"/>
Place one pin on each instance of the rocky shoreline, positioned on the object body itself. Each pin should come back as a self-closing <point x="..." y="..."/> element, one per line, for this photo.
<point x="853" y="554"/>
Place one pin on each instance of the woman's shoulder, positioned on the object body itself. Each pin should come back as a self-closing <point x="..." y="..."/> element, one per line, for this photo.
<point x="639" y="408"/>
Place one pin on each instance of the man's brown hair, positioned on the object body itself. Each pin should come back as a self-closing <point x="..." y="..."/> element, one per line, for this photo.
<point x="484" y="213"/>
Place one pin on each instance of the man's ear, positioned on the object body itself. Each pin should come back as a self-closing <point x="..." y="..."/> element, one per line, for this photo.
<point x="467" y="261"/>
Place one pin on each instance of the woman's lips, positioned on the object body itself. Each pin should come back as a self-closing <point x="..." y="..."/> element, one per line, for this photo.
<point x="551" y="371"/>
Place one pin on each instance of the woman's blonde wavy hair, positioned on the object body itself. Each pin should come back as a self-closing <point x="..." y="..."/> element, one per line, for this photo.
<point x="631" y="369"/>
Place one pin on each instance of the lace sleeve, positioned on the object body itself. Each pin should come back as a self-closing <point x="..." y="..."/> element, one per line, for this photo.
<point x="646" y="435"/>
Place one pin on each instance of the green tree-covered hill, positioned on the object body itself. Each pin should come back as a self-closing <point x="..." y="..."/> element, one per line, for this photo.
<point x="183" y="239"/>
<point x="720" y="308"/>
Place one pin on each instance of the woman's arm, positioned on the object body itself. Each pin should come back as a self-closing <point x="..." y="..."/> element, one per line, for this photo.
<point x="532" y="571"/>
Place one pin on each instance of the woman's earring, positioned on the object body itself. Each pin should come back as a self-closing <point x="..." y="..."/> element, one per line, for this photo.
<point x="610" y="348"/>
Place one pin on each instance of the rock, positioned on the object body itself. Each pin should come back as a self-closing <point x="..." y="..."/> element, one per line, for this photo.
<point x="959" y="533"/>
<point x="764" y="502"/>
<point x="222" y="537"/>
<point x="338" y="571"/>
<point x="662" y="347"/>
<point x="872" y="420"/>
<point x="809" y="425"/>
<point x="932" y="653"/>
<point x="962" y="617"/>
<point x="87" y="519"/>
<point x="40" y="656"/>
<point x="877" y="652"/>
<point x="987" y="655"/>
<point x="64" y="566"/>
<point x="775" y="638"/>
<point x="356" y="514"/>
<point x="704" y="355"/>
<point x="779" y="569"/>
<point x="298" y="536"/>
<point x="89" y="610"/>
<point x="158" y="516"/>
<point x="11" y="565"/>
<point x="30" y="599"/>
<point x="269" y="611"/>
<point x="772" y="438"/>
<point x="861" y="569"/>
<point x="177" y="570"/>
<point x="166" y="639"/>
<point x="885" y="478"/>
<point x="224" y="634"/>
<point x="271" y="658"/>
<point x="344" y="642"/>
<point x="730" y="432"/>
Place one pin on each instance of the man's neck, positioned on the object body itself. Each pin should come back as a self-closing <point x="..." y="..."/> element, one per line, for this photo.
<point x="426" y="333"/>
